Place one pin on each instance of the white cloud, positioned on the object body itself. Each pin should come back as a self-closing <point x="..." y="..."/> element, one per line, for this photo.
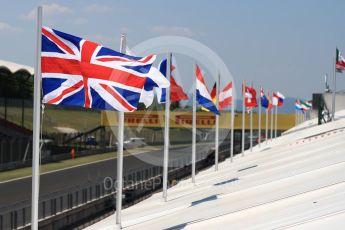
<point x="173" y="30"/>
<point x="48" y="11"/>
<point x="80" y="21"/>
<point x="125" y="30"/>
<point x="5" y="27"/>
<point x="97" y="8"/>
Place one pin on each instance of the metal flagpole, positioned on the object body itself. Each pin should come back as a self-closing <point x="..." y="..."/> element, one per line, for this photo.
<point x="194" y="128"/>
<point x="298" y="117"/>
<point x="251" y="128"/>
<point x="36" y="125"/>
<point x="120" y="140"/>
<point x="259" y="135"/>
<point x="217" y="125"/>
<point x="232" y="126"/>
<point x="334" y="89"/>
<point x="272" y="114"/>
<point x="266" y="131"/>
<point x="267" y="114"/>
<point x="166" y="133"/>
<point x="243" y="115"/>
<point x="303" y="116"/>
<point x="275" y="123"/>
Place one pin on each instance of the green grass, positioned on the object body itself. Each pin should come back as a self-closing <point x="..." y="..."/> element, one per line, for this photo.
<point x="80" y="120"/>
<point x="23" y="172"/>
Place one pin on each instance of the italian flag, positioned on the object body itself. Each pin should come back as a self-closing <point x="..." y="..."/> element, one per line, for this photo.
<point x="306" y="105"/>
<point x="339" y="62"/>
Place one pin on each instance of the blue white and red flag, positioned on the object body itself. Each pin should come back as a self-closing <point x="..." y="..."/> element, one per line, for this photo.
<point x="278" y="99"/>
<point x="264" y="100"/>
<point x="202" y="94"/>
<point x="82" y="73"/>
<point x="176" y="91"/>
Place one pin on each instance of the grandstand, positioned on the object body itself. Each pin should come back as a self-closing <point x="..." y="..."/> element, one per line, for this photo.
<point x="297" y="181"/>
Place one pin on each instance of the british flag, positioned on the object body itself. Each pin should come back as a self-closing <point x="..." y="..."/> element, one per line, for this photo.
<point x="79" y="72"/>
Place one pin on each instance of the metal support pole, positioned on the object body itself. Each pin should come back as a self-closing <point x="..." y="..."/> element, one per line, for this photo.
<point x="334" y="90"/>
<point x="276" y="123"/>
<point x="298" y="117"/>
<point x="119" y="175"/>
<point x="166" y="132"/>
<point x="243" y="116"/>
<point x="259" y="131"/>
<point x="251" y="129"/>
<point x="266" y="131"/>
<point x="232" y="128"/>
<point x="194" y="128"/>
<point x="36" y="125"/>
<point x="217" y="125"/>
<point x="272" y="114"/>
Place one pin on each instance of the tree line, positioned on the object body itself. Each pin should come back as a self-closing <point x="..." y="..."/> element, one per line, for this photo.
<point x="16" y="85"/>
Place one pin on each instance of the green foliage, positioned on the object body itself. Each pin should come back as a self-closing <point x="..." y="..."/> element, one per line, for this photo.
<point x="16" y="85"/>
<point x="174" y="105"/>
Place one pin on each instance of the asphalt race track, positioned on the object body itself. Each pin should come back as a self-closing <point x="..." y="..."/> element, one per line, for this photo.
<point x="19" y="190"/>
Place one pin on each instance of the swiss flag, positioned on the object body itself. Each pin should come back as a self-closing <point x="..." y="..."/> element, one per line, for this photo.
<point x="250" y="97"/>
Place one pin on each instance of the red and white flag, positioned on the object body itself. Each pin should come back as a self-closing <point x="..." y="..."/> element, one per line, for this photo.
<point x="250" y="97"/>
<point x="278" y="99"/>
<point x="339" y="62"/>
<point x="225" y="97"/>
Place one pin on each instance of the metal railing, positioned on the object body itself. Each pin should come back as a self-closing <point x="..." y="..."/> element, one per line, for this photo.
<point x="18" y="215"/>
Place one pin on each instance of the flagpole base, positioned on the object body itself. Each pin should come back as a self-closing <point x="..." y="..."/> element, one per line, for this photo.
<point x="117" y="227"/>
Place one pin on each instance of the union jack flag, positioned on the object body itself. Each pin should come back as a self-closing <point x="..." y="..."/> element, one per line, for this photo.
<point x="82" y="73"/>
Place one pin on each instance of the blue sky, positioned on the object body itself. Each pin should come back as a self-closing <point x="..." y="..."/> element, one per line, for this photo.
<point x="282" y="45"/>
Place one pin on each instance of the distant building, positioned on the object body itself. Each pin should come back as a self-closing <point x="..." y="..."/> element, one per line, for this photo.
<point x="16" y="81"/>
<point x="16" y="87"/>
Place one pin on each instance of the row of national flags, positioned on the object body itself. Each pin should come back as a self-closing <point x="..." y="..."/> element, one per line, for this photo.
<point x="82" y="73"/>
<point x="303" y="106"/>
<point x="79" y="72"/>
<point x="225" y="97"/>
<point x="266" y="101"/>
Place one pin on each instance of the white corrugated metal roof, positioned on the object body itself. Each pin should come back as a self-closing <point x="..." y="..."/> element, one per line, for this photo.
<point x="14" y="67"/>
<point x="295" y="181"/>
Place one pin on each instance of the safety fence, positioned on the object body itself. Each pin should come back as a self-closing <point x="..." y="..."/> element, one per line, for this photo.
<point x="83" y="204"/>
